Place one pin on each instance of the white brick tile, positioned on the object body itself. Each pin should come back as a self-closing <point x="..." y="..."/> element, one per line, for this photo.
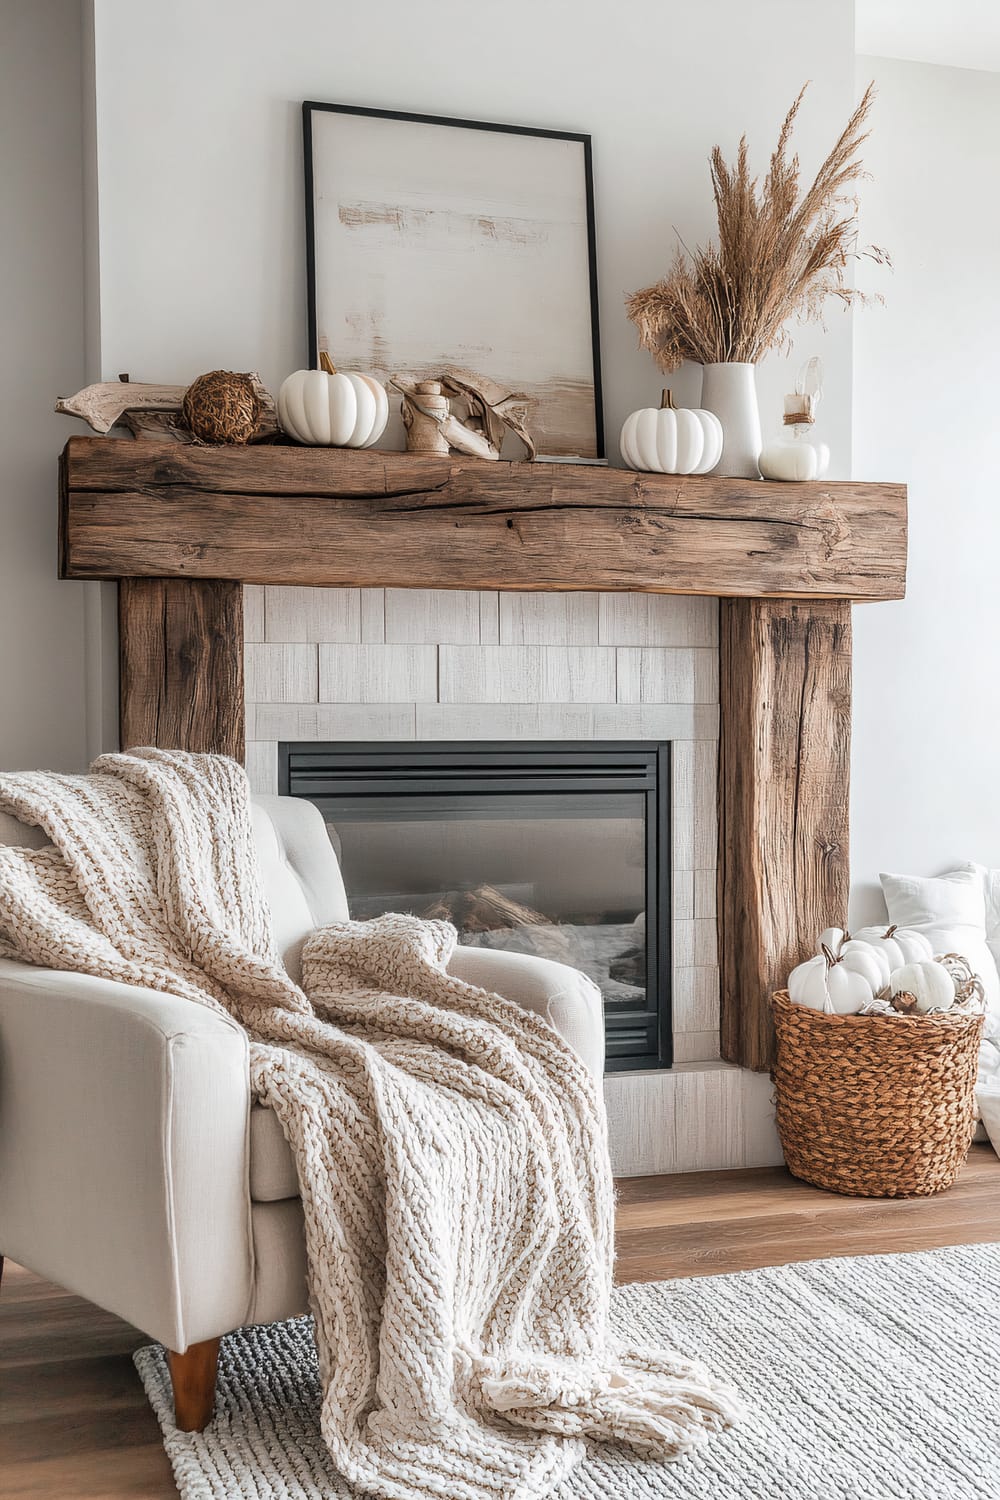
<point x="527" y="674"/>
<point x="676" y="1121"/>
<point x="696" y="1046"/>
<point x="301" y="614"/>
<point x="695" y="999"/>
<point x="694" y="810"/>
<point x="378" y="674"/>
<point x="658" y="620"/>
<point x="432" y="615"/>
<point x="372" y="616"/>
<point x="262" y="766"/>
<point x="280" y="674"/>
<point x="695" y="945"/>
<point x="650" y="675"/>
<point x="253" y="611"/>
<point x="548" y="619"/>
<point x="505" y="721"/>
<point x="682" y="895"/>
<point x="331" y="721"/>
<point x="706" y="676"/>
<point x="489" y="618"/>
<point x="670" y="721"/>
<point x="682" y="809"/>
<point x="705" y="793"/>
<point x="705" y="894"/>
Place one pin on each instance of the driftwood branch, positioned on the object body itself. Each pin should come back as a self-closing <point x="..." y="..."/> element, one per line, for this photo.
<point x="102" y="405"/>
<point x="488" y="412"/>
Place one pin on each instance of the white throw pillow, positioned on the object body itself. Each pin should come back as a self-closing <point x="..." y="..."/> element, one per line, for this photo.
<point x="991" y="890"/>
<point x="950" y="910"/>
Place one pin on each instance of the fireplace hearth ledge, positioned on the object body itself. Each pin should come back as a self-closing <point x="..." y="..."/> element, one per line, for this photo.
<point x="718" y="1116"/>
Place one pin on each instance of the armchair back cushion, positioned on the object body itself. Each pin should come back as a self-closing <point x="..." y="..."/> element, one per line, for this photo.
<point x="302" y="880"/>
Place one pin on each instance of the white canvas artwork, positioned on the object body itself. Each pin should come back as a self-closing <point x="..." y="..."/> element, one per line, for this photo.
<point x="438" y="245"/>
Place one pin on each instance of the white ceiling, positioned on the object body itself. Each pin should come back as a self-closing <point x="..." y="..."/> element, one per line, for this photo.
<point x="957" y="33"/>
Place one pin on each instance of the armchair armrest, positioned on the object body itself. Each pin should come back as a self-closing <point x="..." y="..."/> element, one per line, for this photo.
<point x="564" y="996"/>
<point x="123" y="1149"/>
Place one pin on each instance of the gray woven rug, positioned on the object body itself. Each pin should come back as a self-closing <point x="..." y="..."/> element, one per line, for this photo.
<point x="875" y="1378"/>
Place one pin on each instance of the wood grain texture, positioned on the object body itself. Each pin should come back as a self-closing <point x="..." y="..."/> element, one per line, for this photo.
<point x="181" y="664"/>
<point x="707" y="1223"/>
<point x="784" y="776"/>
<point x="346" y="517"/>
<point x="75" y="1422"/>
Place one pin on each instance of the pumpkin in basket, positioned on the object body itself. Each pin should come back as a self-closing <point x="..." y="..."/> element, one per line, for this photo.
<point x="837" y="984"/>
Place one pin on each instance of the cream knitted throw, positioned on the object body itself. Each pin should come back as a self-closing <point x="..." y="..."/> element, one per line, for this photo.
<point x="450" y="1147"/>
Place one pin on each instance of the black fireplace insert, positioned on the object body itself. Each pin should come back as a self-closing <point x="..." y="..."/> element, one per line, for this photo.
<point x="558" y="848"/>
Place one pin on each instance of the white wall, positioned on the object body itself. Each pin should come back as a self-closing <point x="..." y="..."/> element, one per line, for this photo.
<point x="927" y="379"/>
<point x="42" y="659"/>
<point x="199" y="150"/>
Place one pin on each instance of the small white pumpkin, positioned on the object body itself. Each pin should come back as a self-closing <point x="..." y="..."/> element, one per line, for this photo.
<point x="827" y="983"/>
<point x="329" y="408"/>
<point x="832" y="937"/>
<point x="930" y="984"/>
<point x="673" y="440"/>
<point x="901" y="945"/>
<point x="862" y="958"/>
<point x="793" y="459"/>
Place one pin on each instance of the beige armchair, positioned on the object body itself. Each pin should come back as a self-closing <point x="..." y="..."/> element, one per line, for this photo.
<point x="137" y="1170"/>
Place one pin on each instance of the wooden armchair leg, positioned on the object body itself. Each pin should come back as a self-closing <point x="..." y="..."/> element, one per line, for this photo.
<point x="193" y="1377"/>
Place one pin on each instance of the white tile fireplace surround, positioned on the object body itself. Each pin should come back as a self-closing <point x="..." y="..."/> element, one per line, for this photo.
<point x="401" y="664"/>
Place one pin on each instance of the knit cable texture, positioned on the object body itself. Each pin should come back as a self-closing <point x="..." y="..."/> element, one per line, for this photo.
<point x="451" y="1147"/>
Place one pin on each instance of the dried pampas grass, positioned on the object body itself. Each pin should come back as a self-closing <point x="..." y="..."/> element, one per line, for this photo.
<point x="779" y="256"/>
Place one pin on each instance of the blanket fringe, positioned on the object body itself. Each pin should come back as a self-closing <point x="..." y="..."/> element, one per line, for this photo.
<point x="659" y="1408"/>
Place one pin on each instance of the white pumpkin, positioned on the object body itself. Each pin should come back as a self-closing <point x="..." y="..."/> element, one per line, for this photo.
<point x="793" y="459"/>
<point x="900" y="945"/>
<point x="862" y="958"/>
<point x="832" y="937"/>
<point x="827" y="983"/>
<point x="672" y="440"/>
<point x="333" y="409"/>
<point x="930" y="984"/>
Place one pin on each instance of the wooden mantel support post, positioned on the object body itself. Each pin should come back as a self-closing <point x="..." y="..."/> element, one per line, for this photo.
<point x="784" y="777"/>
<point x="181" y="664"/>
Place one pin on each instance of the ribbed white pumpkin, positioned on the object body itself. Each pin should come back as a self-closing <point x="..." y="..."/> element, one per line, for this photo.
<point x="672" y="440"/>
<point x="330" y="408"/>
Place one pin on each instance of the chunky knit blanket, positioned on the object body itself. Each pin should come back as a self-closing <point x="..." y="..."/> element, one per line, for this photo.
<point x="450" y="1147"/>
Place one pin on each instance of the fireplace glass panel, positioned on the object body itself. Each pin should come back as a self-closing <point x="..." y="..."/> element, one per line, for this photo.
<point x="565" y="866"/>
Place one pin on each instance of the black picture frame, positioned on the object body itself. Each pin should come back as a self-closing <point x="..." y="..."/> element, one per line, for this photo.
<point x="311" y="107"/>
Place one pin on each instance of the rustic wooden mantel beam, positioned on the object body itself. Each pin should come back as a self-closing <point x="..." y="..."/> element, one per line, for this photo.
<point x="184" y="528"/>
<point x="354" y="519"/>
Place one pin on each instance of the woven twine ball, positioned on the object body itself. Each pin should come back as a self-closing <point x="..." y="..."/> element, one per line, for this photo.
<point x="222" y="407"/>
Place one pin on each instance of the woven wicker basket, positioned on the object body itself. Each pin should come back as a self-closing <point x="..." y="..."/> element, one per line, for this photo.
<point x="873" y="1106"/>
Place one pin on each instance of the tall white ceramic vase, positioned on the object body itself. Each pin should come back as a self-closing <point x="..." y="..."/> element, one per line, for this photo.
<point x="730" y="391"/>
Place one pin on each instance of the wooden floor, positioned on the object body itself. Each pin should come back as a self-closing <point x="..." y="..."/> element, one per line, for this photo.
<point x="74" y="1421"/>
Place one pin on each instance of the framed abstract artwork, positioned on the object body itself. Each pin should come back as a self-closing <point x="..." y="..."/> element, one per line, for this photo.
<point x="436" y="244"/>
